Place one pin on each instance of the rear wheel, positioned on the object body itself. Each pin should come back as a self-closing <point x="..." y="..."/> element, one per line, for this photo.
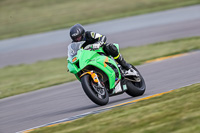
<point x="98" y="95"/>
<point x="136" y="88"/>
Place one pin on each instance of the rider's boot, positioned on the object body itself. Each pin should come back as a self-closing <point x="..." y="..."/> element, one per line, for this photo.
<point x="129" y="69"/>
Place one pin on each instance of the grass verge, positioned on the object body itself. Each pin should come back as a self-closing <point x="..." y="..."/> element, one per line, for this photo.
<point x="177" y="112"/>
<point x="24" y="78"/>
<point x="22" y="17"/>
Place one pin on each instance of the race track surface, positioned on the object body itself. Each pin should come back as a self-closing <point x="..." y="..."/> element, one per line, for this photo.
<point x="130" y="31"/>
<point x="32" y="109"/>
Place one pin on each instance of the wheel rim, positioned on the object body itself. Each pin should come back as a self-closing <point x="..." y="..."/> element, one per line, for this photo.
<point x="100" y="92"/>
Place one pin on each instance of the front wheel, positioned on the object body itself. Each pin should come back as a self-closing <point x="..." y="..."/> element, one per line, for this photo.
<point x="96" y="94"/>
<point x="136" y="88"/>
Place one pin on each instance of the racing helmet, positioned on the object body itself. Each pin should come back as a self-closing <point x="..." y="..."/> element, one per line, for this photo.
<point x="77" y="32"/>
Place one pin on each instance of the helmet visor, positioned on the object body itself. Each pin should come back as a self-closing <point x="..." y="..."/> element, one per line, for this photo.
<point x="78" y="39"/>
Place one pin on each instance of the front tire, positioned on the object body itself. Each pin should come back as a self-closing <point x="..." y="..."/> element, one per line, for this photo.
<point x="88" y="87"/>
<point x="136" y="88"/>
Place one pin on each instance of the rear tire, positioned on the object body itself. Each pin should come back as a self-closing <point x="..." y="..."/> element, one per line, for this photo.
<point x="136" y="88"/>
<point x="89" y="90"/>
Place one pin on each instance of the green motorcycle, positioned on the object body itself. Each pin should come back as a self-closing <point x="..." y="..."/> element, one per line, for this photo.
<point x="100" y="75"/>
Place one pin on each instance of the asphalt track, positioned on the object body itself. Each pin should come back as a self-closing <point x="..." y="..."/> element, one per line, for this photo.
<point x="36" y="108"/>
<point x="130" y="31"/>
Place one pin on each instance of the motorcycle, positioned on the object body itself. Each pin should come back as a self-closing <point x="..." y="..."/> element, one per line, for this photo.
<point x="100" y="75"/>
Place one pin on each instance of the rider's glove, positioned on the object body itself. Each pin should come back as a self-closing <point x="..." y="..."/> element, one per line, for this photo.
<point x="97" y="45"/>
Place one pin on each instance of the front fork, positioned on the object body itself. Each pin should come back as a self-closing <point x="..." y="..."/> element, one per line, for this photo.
<point x="94" y="77"/>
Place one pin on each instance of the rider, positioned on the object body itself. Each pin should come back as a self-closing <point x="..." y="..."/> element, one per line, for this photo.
<point x="78" y="33"/>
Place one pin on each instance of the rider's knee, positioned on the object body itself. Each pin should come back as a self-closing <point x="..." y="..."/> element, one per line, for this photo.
<point x="111" y="49"/>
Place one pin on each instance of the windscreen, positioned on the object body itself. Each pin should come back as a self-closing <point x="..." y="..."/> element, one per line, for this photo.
<point x="73" y="48"/>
